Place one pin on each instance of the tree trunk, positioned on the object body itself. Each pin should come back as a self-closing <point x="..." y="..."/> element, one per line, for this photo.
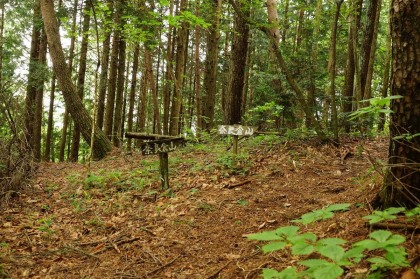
<point x="153" y="89"/>
<point x="331" y="68"/>
<point x="63" y="139"/>
<point x="32" y="82"/>
<point x="181" y="44"/>
<point x="402" y="181"/>
<point x="385" y="80"/>
<point x="119" y="91"/>
<point x="74" y="153"/>
<point x="197" y="77"/>
<point x="49" y="142"/>
<point x="80" y="115"/>
<point x="210" y="73"/>
<point x="132" y="94"/>
<point x="233" y="113"/>
<point x="168" y="76"/>
<point x="112" y="86"/>
<point x="39" y="106"/>
<point x="103" y="77"/>
<point x="367" y="45"/>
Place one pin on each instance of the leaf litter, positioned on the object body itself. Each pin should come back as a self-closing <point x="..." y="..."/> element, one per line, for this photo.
<point x="112" y="220"/>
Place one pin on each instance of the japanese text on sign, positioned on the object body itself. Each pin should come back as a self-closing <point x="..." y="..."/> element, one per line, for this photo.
<point x="155" y="147"/>
<point x="236" y="130"/>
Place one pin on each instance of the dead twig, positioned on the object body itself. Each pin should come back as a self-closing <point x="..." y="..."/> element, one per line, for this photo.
<point x="162" y="267"/>
<point x="214" y="275"/>
<point x="410" y="228"/>
<point x="237" y="184"/>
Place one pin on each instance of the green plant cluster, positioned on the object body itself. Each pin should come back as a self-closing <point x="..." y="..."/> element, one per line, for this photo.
<point x="331" y="256"/>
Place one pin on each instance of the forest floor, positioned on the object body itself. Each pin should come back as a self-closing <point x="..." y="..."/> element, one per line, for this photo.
<point x="111" y="220"/>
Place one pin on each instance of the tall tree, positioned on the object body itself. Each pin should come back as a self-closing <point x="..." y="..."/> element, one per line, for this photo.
<point x="113" y="72"/>
<point x="101" y="145"/>
<point x="331" y="68"/>
<point x="132" y="94"/>
<point x="66" y="120"/>
<point x="402" y="181"/>
<point x="210" y="73"/>
<point x="233" y="113"/>
<point x="32" y="87"/>
<point x="48" y="155"/>
<point x="81" y="75"/>
<point x="181" y="47"/>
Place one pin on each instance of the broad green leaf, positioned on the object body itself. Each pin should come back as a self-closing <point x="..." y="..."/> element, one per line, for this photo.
<point x="379" y="261"/>
<point x="368" y="244"/>
<point x="289" y="273"/>
<point x="338" y="207"/>
<point x="314" y="262"/>
<point x="395" y="239"/>
<point x="302" y="248"/>
<point x="269" y="273"/>
<point x="330" y="241"/>
<point x="330" y="271"/>
<point x="394" y="210"/>
<point x="356" y="254"/>
<point x="334" y="252"/>
<point x="274" y="246"/>
<point x="287" y="231"/>
<point x="265" y="236"/>
<point x="398" y="258"/>
<point x="305" y="237"/>
<point x="381" y="235"/>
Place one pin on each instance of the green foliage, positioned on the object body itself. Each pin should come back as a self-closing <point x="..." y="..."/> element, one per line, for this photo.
<point x="387" y="214"/>
<point x="45" y="225"/>
<point x="322" y="214"/>
<point x="376" y="106"/>
<point x="332" y="255"/>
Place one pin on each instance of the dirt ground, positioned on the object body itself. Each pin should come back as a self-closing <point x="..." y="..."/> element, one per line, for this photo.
<point x="111" y="220"/>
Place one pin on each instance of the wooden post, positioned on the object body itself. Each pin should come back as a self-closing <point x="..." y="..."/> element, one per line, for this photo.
<point x="235" y="144"/>
<point x="164" y="170"/>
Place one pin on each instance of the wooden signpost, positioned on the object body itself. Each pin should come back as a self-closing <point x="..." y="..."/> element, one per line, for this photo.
<point x="160" y="145"/>
<point x="235" y="131"/>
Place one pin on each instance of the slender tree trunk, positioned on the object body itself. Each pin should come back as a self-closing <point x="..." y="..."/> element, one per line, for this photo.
<point x="74" y="153"/>
<point x="119" y="92"/>
<point x="49" y="141"/>
<point x="132" y="94"/>
<point x="331" y="68"/>
<point x="101" y="144"/>
<point x="197" y="78"/>
<point x="103" y="77"/>
<point x="152" y="86"/>
<point x="386" y="79"/>
<point x="402" y="181"/>
<point x="314" y="62"/>
<point x="210" y="73"/>
<point x="32" y="82"/>
<point x="63" y="139"/>
<point x="39" y="106"/>
<point x="367" y="45"/>
<point x="233" y="113"/>
<point x="181" y="43"/>
<point x="112" y="86"/>
<point x="168" y="77"/>
<point x="285" y="26"/>
<point x="143" y="100"/>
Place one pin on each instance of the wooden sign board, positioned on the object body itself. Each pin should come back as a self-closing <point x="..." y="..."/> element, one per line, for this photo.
<point x="161" y="146"/>
<point x="236" y="130"/>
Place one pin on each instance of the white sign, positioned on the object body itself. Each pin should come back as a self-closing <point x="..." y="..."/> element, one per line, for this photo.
<point x="236" y="130"/>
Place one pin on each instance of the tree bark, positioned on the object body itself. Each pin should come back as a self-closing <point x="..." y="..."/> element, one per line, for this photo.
<point x="48" y="138"/>
<point x="80" y="115"/>
<point x="402" y="181"/>
<point x="181" y="44"/>
<point x="233" y="113"/>
<point x="74" y="153"/>
<point x="210" y="73"/>
<point x="132" y="94"/>
<point x="331" y="68"/>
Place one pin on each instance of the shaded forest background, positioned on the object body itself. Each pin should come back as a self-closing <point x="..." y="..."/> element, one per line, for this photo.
<point x="80" y="73"/>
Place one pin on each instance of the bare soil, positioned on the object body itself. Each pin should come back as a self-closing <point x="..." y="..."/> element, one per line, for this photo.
<point x="111" y="220"/>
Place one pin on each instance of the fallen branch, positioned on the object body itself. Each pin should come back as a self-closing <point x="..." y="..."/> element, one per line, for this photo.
<point x="410" y="228"/>
<point x="162" y="267"/>
<point x="214" y="275"/>
<point x="238" y="184"/>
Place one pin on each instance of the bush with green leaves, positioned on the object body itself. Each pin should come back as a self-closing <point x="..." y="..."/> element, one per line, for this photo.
<point x="331" y="256"/>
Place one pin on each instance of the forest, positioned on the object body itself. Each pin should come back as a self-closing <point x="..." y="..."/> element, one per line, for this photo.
<point x="284" y="139"/>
